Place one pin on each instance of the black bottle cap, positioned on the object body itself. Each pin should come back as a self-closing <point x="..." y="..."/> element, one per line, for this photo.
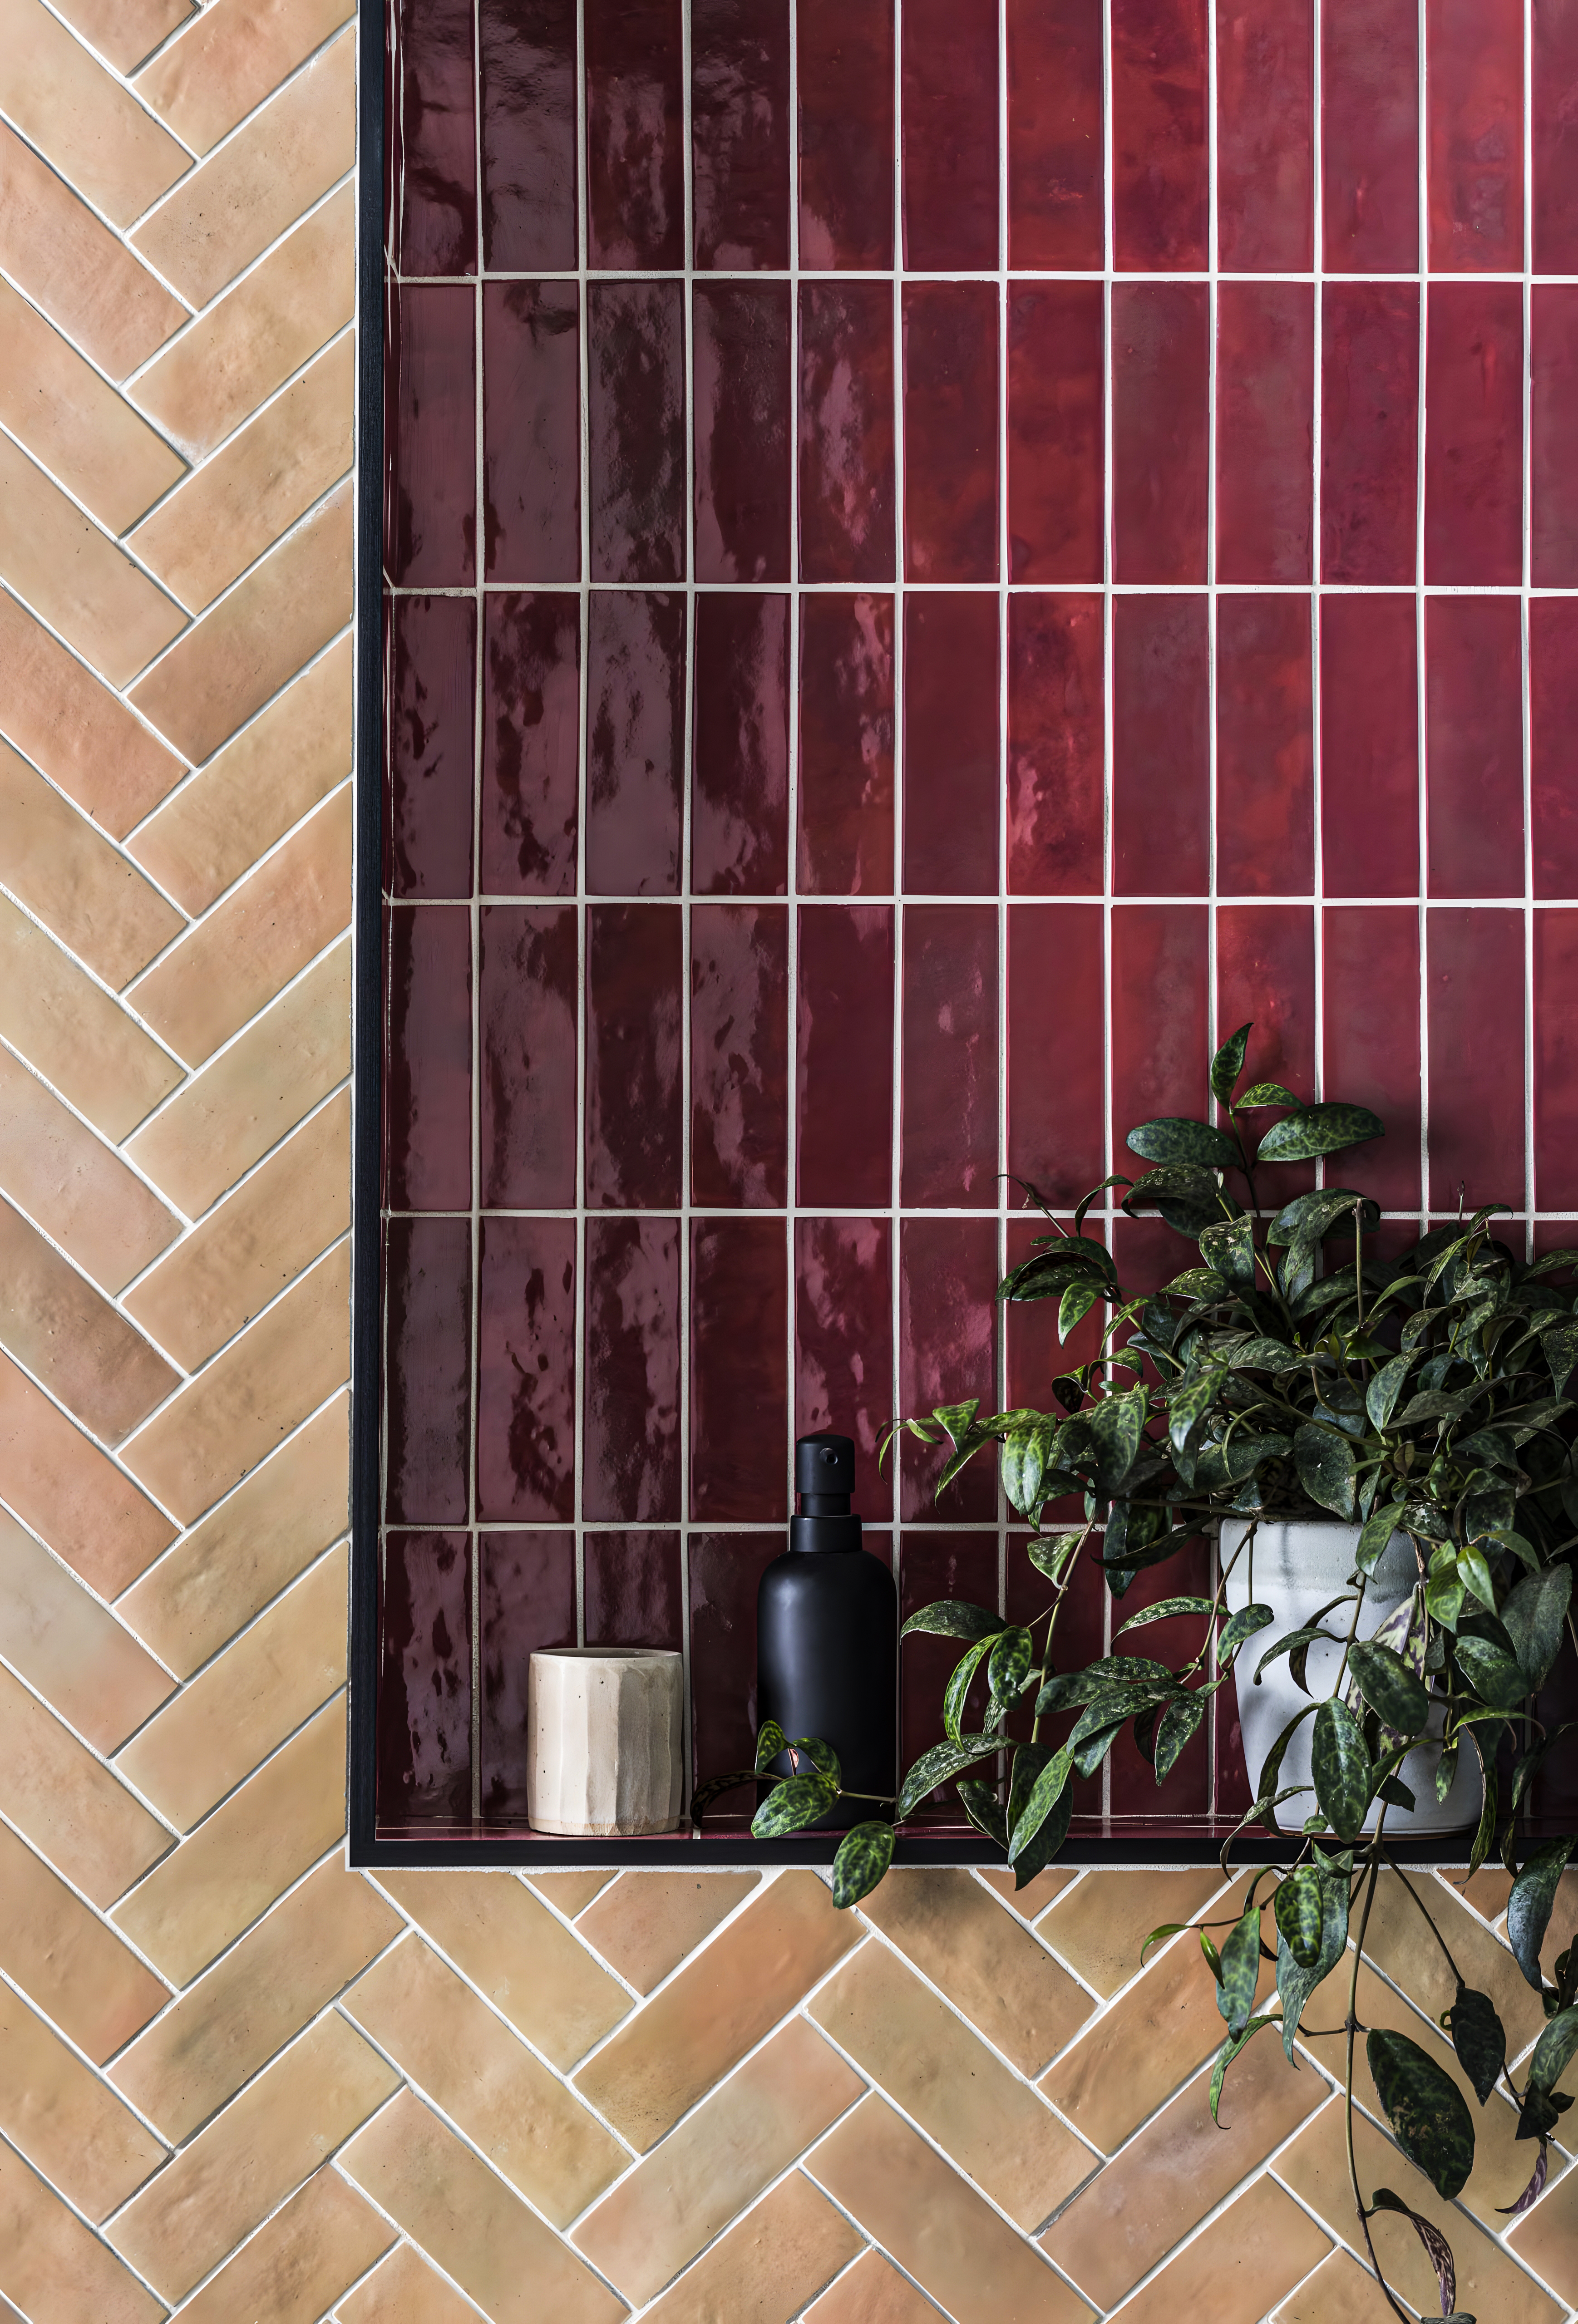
<point x="824" y="1474"/>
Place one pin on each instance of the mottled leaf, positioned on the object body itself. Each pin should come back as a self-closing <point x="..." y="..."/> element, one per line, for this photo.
<point x="1173" y="1138"/>
<point x="792" y="1804"/>
<point x="1164" y="1611"/>
<point x="1225" y="2056"/>
<point x="1187" y="1403"/>
<point x="1560" y="1347"/>
<point x="940" y="1766"/>
<point x="1177" y="1724"/>
<point x="1377" y="1531"/>
<point x="1241" y="1970"/>
<point x="1492" y="1673"/>
<point x="962" y="1679"/>
<point x="1310" y="1217"/>
<point x="1044" y="1795"/>
<point x="1437" y="2250"/>
<point x="1239" y="1627"/>
<point x="862" y="1856"/>
<point x="1299" y="1906"/>
<point x="1115" y="1427"/>
<point x="978" y="1797"/>
<point x="809" y="1752"/>
<point x="954" y="1617"/>
<point x="1398" y="1699"/>
<point x="1429" y="2118"/>
<point x="1533" y="1618"/>
<point x="1050" y="1553"/>
<point x="1340" y="1766"/>
<point x="769" y="1741"/>
<point x="1317" y="1129"/>
<point x="1554" y="2052"/>
<point x="1262" y="1355"/>
<point x="1386" y="1386"/>
<point x="1021" y="1462"/>
<point x="1324" y="1458"/>
<point x="1264" y="1093"/>
<point x="1228" y="1064"/>
<point x="1229" y="1250"/>
<point x="1009" y="1665"/>
<point x="1479" y="2039"/>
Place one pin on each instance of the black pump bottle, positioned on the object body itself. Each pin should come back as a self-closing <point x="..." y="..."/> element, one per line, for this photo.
<point x="826" y="1635"/>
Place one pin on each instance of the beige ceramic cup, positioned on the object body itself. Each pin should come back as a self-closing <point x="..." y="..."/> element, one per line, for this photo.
<point x="606" y="1726"/>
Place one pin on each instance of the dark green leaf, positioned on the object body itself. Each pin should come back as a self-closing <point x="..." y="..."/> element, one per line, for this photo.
<point x="959" y="1685"/>
<point x="1241" y="1970"/>
<point x="1319" y="1129"/>
<point x="1425" y="2108"/>
<point x="1021" y="1463"/>
<point x="1265" y="1094"/>
<point x="1310" y="1217"/>
<point x="1177" y="1724"/>
<point x="1009" y="1666"/>
<point x="1242" y="1625"/>
<point x="1044" y="1794"/>
<point x="1479" y="2039"/>
<point x="1225" y="2056"/>
<point x="955" y="1419"/>
<point x="1074" y="1306"/>
<point x="1188" y="1198"/>
<point x="1231" y="1463"/>
<point x="1437" y="2250"/>
<point x="940" y="1766"/>
<point x="1050" y="1553"/>
<point x="1378" y="1530"/>
<point x="1188" y="1402"/>
<point x="1382" y="1396"/>
<point x="792" y="1804"/>
<point x="1340" y="1766"/>
<point x="1299" y="1906"/>
<point x="1229" y="1250"/>
<point x="1492" y="1673"/>
<point x="1389" y="1687"/>
<point x="769" y="1741"/>
<point x="1175" y="1140"/>
<point x="1295" y="1645"/>
<point x="1115" y="1426"/>
<point x="979" y="1799"/>
<point x="1263" y="1355"/>
<point x="954" y="1617"/>
<point x="1029" y="1760"/>
<point x="1561" y="1353"/>
<point x="818" y="1755"/>
<point x="863" y="1856"/>
<point x="1485" y="1832"/>
<point x="1294" y="1982"/>
<point x="1553" y="2052"/>
<point x="1163" y="1610"/>
<point x="1533" y="1616"/>
<point x="1324" y="1460"/>
<point x="1227" y="1065"/>
<point x="1528" y="1908"/>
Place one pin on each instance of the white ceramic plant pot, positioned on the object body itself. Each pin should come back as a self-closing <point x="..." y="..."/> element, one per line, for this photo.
<point x="606" y="1726"/>
<point x="1296" y="1569"/>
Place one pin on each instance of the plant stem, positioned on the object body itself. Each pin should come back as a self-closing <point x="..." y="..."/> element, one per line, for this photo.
<point x="1351" y="2028"/>
<point x="1434" y="1931"/>
<point x="1052" y="1625"/>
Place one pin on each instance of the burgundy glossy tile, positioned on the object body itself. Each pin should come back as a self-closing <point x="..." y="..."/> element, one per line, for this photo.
<point x="427" y="1423"/>
<point x="526" y="1369"/>
<point x="1161" y="430"/>
<point x="1553" y="427"/>
<point x="635" y="136"/>
<point x="843" y="1342"/>
<point x="1159" y="1012"/>
<point x="1265" y="747"/>
<point x="1473" y="66"/>
<point x="739" y="1408"/>
<point x="1148" y="1252"/>
<point x="950" y="421"/>
<point x="725" y="1573"/>
<point x="846" y="431"/>
<point x="1055" y="119"/>
<point x="1056" y="1096"/>
<point x="526" y="1037"/>
<point x="739" y="780"/>
<point x="845" y="839"/>
<point x="529" y="106"/>
<point x="424" y="1680"/>
<point x="1369" y="136"/>
<point x="635" y="743"/>
<point x="435" y="231"/>
<point x="634" y="1002"/>
<point x="950" y="1063"/>
<point x="1057" y="515"/>
<point x="1056" y="745"/>
<point x="430" y="402"/>
<point x="1036" y="1355"/>
<point x="1135" y="1793"/>
<point x="1265" y="431"/>
<point x="1474" y="745"/>
<point x="742" y="410"/>
<point x="1474" y="975"/>
<point x="843" y="67"/>
<point x="948" y="113"/>
<point x="1265" y="156"/>
<point x="1369" y="392"/>
<point x="1552" y="720"/>
<point x="1554" y="127"/>
<point x="932" y="1565"/>
<point x="532" y="431"/>
<point x="1161" y="164"/>
<point x="1369" y="746"/>
<point x="1369" y="958"/>
<point x="951" y="745"/>
<point x="1555" y="1066"/>
<point x="947" y="1325"/>
<point x="426" y="1093"/>
<point x="739" y="132"/>
<point x="1266" y="975"/>
<point x="526" y="1601"/>
<point x="631" y="1449"/>
<point x="845" y="1055"/>
<point x="531" y="734"/>
<point x="632" y="1592"/>
<point x="430" y="722"/>
<point x="1473" y="444"/>
<point x="739" y="1056"/>
<point x="1161" y="746"/>
<point x="635" y="336"/>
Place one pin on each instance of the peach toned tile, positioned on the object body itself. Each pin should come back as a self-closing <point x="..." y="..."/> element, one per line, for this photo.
<point x="872" y="2291"/>
<point x="249" y="1851"/>
<point x="256" y="1999"/>
<point x="322" y="2240"/>
<point x="251" y="1398"/>
<point x="72" y="1340"/>
<point x="76" y="425"/>
<point x="1340" y="2291"/>
<point x="1006" y="1983"/>
<point x="274" y="1677"/>
<point x="75" y="577"/>
<point x="252" y="339"/>
<point x="85" y="891"/>
<point x="56" y="711"/>
<point x="256" y="639"/>
<point x="53" y="2266"/>
<point x="227" y="1569"/>
<point x="719" y="2160"/>
<point x="65" y="1960"/>
<point x="70" y="264"/>
<point x="69" y="1804"/>
<point x="124" y="31"/>
<point x="75" y="1034"/>
<point x="1100" y="1928"/>
<point x="74" y="1184"/>
<point x="451" y="2044"/>
<point x="73" y="1650"/>
<point x="1487" y="1891"/>
<point x="569" y="1891"/>
<point x="718" y="2007"/>
<point x="1546" y="2238"/>
<point x="937" y="2228"/>
<point x="450" y="2203"/>
<point x="231" y="59"/>
<point x="1238" y="2267"/>
<point x="1034" y="1896"/>
<point x="405" y="2290"/>
<point x="234" y="963"/>
<point x="70" y="1493"/>
<point x="80" y="118"/>
<point x="1400" y="1945"/>
<point x="69" y="2124"/>
<point x="509" y="1944"/>
<point x="266" y="2141"/>
<point x="646" y="1923"/>
<point x="768" y="2265"/>
<point x="294" y="753"/>
<point x="990" y="2124"/>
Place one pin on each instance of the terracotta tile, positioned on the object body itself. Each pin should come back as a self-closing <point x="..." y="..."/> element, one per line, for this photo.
<point x="80" y="118"/>
<point x="1340" y="2291"/>
<point x="253" y="340"/>
<point x="718" y="2007"/>
<point x="252" y="1848"/>
<point x="84" y="890"/>
<point x="1399" y="1944"/>
<point x="52" y="2263"/>
<point x="1100" y="1929"/>
<point x="1034" y="1898"/>
<point x="1008" y="1986"/>
<point x="77" y="1036"/>
<point x="84" y="1662"/>
<point x="515" y="1951"/>
<point x="70" y="264"/>
<point x="231" y="1114"/>
<point x="1487" y="1892"/>
<point x="255" y="2000"/>
<point x="284" y="160"/>
<point x="75" y="1187"/>
<point x="124" y="31"/>
<point x="231" y="59"/>
<point x="516" y="2270"/>
<point x="76" y="426"/>
<point x="322" y="2239"/>
<point x="66" y="2122"/>
<point x="451" y="2044"/>
<point x="767" y="2266"/>
<point x="255" y="2154"/>
<point x="937" y="2228"/>
<point x="69" y="1804"/>
<point x="646" y="1923"/>
<point x="76" y="1970"/>
<point x="736" y="2143"/>
<point x="75" y="730"/>
<point x="1238" y="2268"/>
<point x="70" y="1338"/>
<point x="571" y="1892"/>
<point x="1547" y="2239"/>
<point x="70" y="1493"/>
<point x="405" y="2290"/>
<point x="76" y="577"/>
<point x="226" y="1570"/>
<point x="872" y="2291"/>
<point x="219" y="823"/>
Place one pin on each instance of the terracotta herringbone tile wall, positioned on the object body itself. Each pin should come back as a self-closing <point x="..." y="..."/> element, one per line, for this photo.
<point x="236" y="2081"/>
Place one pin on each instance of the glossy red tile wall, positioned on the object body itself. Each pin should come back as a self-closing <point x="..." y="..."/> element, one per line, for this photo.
<point x="939" y="555"/>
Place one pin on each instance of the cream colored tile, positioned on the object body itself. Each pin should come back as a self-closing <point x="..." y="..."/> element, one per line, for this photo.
<point x="1400" y="1945"/>
<point x="872" y="2291"/>
<point x="73" y="1650"/>
<point x="85" y="892"/>
<point x="53" y="2266"/>
<point x="1239" y="2268"/>
<point x="1340" y="2291"/>
<point x="74" y="424"/>
<point x="1546" y="2238"/>
<point x="69" y="2124"/>
<point x="768" y="2263"/>
<point x="76" y="1035"/>
<point x="124" y="31"/>
<point x="74" y="1184"/>
<point x="72" y="1340"/>
<point x="70" y="1493"/>
<point x="70" y="264"/>
<point x="76" y="1970"/>
<point x="992" y="1968"/>
<point x="1100" y="1927"/>
<point x="83" y="738"/>
<point x="69" y="1804"/>
<point x="322" y="2240"/>
<point x="80" y="117"/>
<point x="646" y="1923"/>
<point x="1034" y="1896"/>
<point x="79" y="579"/>
<point x="230" y="60"/>
<point x="405" y="2290"/>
